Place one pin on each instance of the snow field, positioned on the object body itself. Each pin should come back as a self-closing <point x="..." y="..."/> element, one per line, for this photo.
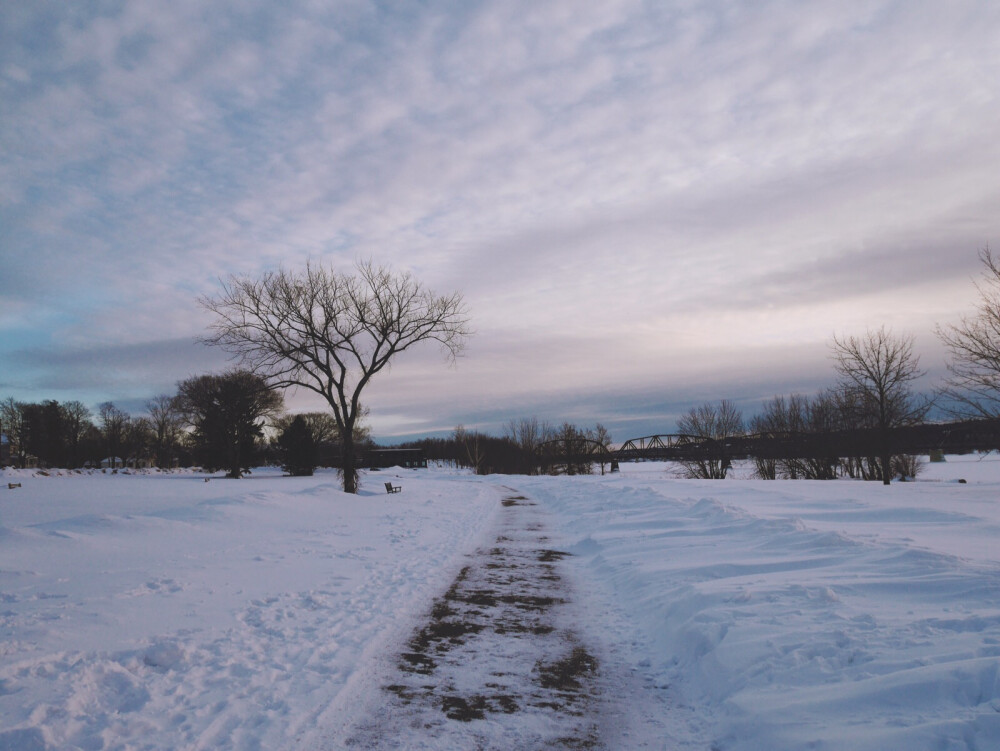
<point x="166" y="612"/>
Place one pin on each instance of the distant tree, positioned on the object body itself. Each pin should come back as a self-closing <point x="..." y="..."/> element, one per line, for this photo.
<point x="92" y="448"/>
<point x="114" y="423"/>
<point x="602" y="436"/>
<point x="138" y="442"/>
<point x="527" y="433"/>
<point x="783" y="422"/>
<point x="166" y="423"/>
<point x="321" y="425"/>
<point x="332" y="332"/>
<point x="877" y="371"/>
<point x="822" y="416"/>
<point x="298" y="448"/>
<point x="766" y="465"/>
<point x="45" y="434"/>
<point x="48" y="431"/>
<point x="326" y="434"/>
<point x="471" y="443"/>
<point x="227" y="414"/>
<point x="973" y="386"/>
<point x="484" y="454"/>
<point x="575" y="452"/>
<point x="12" y="424"/>
<point x="76" y="419"/>
<point x="715" y="423"/>
<point x="851" y="414"/>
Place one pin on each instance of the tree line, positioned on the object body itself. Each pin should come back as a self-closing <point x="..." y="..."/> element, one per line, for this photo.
<point x="873" y="397"/>
<point x="217" y="421"/>
<point x="576" y="452"/>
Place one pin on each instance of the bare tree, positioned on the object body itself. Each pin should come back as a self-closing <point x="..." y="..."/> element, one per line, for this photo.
<point x="114" y="423"/>
<point x="331" y="332"/>
<point x="12" y="422"/>
<point x="777" y="418"/>
<point x="602" y="436"/>
<point x="167" y="422"/>
<point x="973" y="386"/>
<point x="822" y="416"/>
<point x="877" y="369"/>
<point x="715" y="423"/>
<point x="527" y="433"/>
<point x="472" y="444"/>
<point x="138" y="441"/>
<point x="576" y="447"/>
<point x="77" y="422"/>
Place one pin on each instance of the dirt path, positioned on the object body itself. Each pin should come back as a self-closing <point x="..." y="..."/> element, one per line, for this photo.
<point x="497" y="664"/>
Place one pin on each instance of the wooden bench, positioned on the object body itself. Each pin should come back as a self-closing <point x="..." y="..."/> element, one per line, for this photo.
<point x="390" y="488"/>
<point x="12" y="485"/>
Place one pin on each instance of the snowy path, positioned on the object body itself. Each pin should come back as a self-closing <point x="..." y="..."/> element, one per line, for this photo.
<point x="498" y="663"/>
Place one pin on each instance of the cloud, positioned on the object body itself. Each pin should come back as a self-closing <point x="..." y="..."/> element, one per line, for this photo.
<point x="652" y="184"/>
<point x="112" y="372"/>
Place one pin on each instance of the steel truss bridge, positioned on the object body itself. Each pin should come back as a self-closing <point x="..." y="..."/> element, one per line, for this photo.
<point x="954" y="437"/>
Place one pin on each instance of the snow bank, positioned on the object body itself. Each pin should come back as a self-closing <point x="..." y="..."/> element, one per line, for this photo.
<point x="788" y="615"/>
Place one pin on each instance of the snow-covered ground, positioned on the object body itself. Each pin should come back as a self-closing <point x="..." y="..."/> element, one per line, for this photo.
<point x="160" y="611"/>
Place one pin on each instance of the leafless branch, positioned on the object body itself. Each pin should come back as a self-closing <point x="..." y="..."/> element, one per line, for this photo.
<point x="331" y="332"/>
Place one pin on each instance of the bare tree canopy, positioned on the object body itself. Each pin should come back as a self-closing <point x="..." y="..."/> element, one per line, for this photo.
<point x="715" y="422"/>
<point x="114" y="424"/>
<point x="876" y="372"/>
<point x="166" y="422"/>
<point x="331" y="332"/>
<point x="973" y="386"/>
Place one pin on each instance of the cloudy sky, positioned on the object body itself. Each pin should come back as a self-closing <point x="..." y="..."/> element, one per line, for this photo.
<point x="646" y="204"/>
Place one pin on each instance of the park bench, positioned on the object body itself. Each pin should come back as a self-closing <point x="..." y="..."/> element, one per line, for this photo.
<point x="390" y="488"/>
<point x="12" y="485"/>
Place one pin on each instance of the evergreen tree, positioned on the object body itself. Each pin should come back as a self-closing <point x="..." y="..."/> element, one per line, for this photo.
<point x="298" y="448"/>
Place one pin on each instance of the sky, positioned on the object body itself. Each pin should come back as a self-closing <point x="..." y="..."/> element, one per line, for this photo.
<point x="646" y="205"/>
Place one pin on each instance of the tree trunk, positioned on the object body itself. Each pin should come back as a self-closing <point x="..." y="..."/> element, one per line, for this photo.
<point x="886" y="455"/>
<point x="235" y="470"/>
<point x="348" y="462"/>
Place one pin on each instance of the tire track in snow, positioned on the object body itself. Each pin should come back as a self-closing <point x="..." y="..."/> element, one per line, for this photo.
<point x="497" y="664"/>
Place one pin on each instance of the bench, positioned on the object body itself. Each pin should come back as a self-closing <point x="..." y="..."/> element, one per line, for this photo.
<point x="12" y="485"/>
<point x="390" y="488"/>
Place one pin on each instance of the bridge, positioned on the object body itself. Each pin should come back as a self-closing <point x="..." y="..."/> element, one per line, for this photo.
<point x="960" y="437"/>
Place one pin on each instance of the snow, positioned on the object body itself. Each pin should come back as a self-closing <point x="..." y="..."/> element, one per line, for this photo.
<point x="159" y="611"/>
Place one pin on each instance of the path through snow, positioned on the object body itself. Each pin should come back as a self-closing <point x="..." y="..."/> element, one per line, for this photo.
<point x="497" y="664"/>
